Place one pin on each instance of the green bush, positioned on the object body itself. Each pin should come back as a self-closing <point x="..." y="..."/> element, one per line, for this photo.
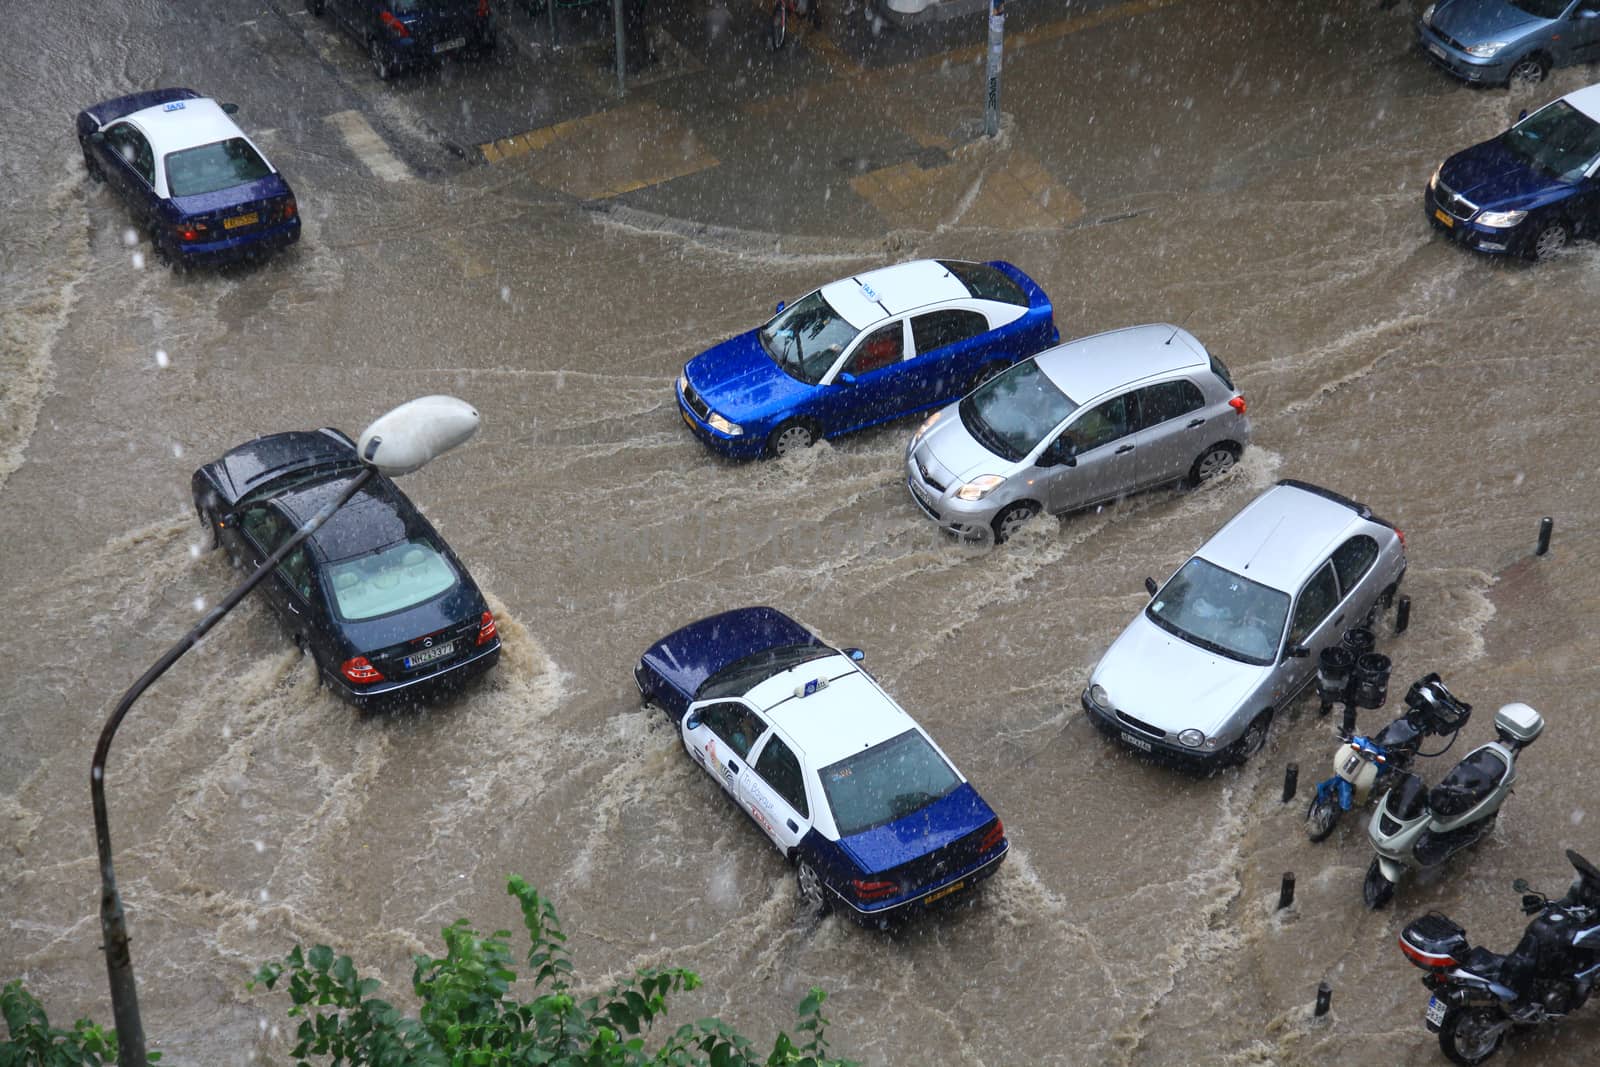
<point x="33" y="1042"/>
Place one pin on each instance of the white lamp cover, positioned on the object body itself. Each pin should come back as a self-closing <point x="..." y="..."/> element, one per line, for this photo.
<point x="415" y="432"/>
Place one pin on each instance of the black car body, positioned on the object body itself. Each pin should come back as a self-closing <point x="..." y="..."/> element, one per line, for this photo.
<point x="406" y="33"/>
<point x="377" y="597"/>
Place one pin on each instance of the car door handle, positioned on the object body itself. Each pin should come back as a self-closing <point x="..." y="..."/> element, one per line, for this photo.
<point x="794" y="826"/>
<point x="733" y="768"/>
<point x="292" y="609"/>
<point x="1124" y="448"/>
<point x="1196" y="422"/>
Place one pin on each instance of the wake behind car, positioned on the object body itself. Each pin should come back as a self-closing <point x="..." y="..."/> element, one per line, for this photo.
<point x="1090" y="420"/>
<point x="383" y="605"/>
<point x="200" y="189"/>
<point x="863" y="350"/>
<point x="1235" y="634"/>
<point x="399" y="34"/>
<point x="1509" y="42"/>
<point x="850" y="789"/>
<point x="1528" y="191"/>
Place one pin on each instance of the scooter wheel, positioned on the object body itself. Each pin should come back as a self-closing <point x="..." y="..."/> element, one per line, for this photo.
<point x="1376" y="890"/>
<point x="1322" y="816"/>
<point x="1469" y="1036"/>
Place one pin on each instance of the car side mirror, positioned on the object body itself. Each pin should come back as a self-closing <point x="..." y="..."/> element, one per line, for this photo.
<point x="230" y="109"/>
<point x="781" y="305"/>
<point x="98" y="137"/>
<point x="1151" y="587"/>
<point x="855" y="654"/>
<point x="692" y="722"/>
<point x="1522" y="114"/>
<point x="1297" y="652"/>
<point x="1057" y="454"/>
<point x="846" y="378"/>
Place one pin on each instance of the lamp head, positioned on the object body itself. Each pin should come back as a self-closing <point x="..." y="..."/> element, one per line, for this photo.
<point x="416" y="432"/>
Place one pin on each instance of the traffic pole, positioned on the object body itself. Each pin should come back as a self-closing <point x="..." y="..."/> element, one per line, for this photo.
<point x="991" y="99"/>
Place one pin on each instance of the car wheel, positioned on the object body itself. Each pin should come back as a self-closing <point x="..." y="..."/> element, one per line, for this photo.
<point x="1469" y="1036"/>
<point x="382" y="65"/>
<point x="1213" y="462"/>
<point x="1377" y="890"/>
<point x="314" y="8"/>
<point x="1322" y="816"/>
<point x="790" y="437"/>
<point x="988" y="373"/>
<point x="1527" y="72"/>
<point x="1552" y="239"/>
<point x="1254" y="737"/>
<point x="813" y="894"/>
<point x="92" y="166"/>
<point x="1013" y="518"/>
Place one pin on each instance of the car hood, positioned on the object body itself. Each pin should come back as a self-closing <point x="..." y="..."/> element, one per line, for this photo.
<point x="1477" y="21"/>
<point x="233" y="196"/>
<point x="739" y="380"/>
<point x="913" y="836"/>
<point x="949" y="454"/>
<point x="1492" y="176"/>
<point x="686" y="657"/>
<point x="1163" y="680"/>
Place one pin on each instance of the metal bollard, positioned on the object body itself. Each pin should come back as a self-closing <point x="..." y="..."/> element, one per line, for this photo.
<point x="1286" y="891"/>
<point x="1324" y="998"/>
<point x="1348" y="727"/>
<point x="1546" y="525"/>
<point x="1291" y="779"/>
<point x="1402" y="615"/>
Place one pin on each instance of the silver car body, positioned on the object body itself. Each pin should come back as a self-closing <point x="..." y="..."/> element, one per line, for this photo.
<point x="1328" y="555"/>
<point x="944" y="459"/>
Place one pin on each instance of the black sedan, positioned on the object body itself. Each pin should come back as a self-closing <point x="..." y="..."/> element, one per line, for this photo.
<point x="377" y="597"/>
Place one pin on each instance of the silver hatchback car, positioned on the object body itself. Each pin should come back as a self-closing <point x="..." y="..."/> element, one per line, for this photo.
<point x="1236" y="633"/>
<point x="1085" y="422"/>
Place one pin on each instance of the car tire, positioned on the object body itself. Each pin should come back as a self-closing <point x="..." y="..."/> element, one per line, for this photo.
<point x="813" y="894"/>
<point x="1012" y="517"/>
<point x="382" y="64"/>
<point x="1470" y="1035"/>
<point x="1376" y="890"/>
<point x="163" y="250"/>
<point x="1322" y="815"/>
<point x="1213" y="462"/>
<point x="792" y="436"/>
<point x="1552" y="238"/>
<point x="1253" y="740"/>
<point x="92" y="166"/>
<point x="314" y="8"/>
<point x="1527" y="72"/>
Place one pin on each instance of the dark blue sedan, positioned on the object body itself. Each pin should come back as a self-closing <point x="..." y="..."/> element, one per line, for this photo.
<point x="196" y="185"/>
<point x="864" y="350"/>
<point x="1528" y="191"/>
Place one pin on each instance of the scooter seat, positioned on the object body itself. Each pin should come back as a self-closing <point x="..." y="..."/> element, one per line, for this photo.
<point x="1468" y="782"/>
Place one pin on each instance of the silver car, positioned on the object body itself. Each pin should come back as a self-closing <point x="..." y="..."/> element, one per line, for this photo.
<point x="1235" y="634"/>
<point x="1075" y="425"/>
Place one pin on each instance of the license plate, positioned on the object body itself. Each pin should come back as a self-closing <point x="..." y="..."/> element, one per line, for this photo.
<point x="1443" y="216"/>
<point x="686" y="418"/>
<point x="946" y="891"/>
<point x="428" y="655"/>
<point x="1436" y="50"/>
<point x="234" y="223"/>
<point x="452" y="43"/>
<point x="1137" y="742"/>
<point x="1435" y="1013"/>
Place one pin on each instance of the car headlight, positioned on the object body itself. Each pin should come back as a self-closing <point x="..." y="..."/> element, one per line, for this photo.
<point x="683" y="383"/>
<point x="1500" y="219"/>
<point x="1191" y="739"/>
<point x="1485" y="50"/>
<point x="717" y="422"/>
<point x="1427" y="15"/>
<point x="1099" y="697"/>
<point x="980" y="487"/>
<point x="1433" y="180"/>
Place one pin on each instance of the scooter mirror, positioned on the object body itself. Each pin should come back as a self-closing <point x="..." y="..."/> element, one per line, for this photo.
<point x="1521" y="885"/>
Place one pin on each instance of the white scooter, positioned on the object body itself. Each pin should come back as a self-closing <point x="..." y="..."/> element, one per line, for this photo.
<point x="1417" y="827"/>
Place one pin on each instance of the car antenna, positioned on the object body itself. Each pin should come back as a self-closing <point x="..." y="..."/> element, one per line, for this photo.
<point x="1178" y="327"/>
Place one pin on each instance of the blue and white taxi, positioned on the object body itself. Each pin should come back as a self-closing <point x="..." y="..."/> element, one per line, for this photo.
<point x="850" y="789"/>
<point x="199" y="187"/>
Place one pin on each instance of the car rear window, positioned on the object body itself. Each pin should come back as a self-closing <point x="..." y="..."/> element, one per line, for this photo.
<point x="389" y="580"/>
<point x="1220" y="369"/>
<point x="886" y="782"/>
<point x="220" y="165"/>
<point x="985" y="282"/>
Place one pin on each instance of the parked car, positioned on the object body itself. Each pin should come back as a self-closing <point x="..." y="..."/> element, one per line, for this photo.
<point x="200" y="188"/>
<point x="850" y="789"/>
<point x="861" y="351"/>
<point x="383" y="605"/>
<point x="399" y="34"/>
<point x="1509" y="42"/>
<point x="1235" y="634"/>
<point x="1084" y="422"/>
<point x="1528" y="191"/>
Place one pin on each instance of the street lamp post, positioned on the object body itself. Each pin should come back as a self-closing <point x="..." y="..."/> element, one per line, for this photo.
<point x="396" y="443"/>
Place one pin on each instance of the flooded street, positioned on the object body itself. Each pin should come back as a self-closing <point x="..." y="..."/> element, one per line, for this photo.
<point x="1252" y="170"/>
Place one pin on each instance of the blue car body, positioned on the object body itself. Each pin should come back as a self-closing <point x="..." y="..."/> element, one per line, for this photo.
<point x="1492" y="42"/>
<point x="738" y="384"/>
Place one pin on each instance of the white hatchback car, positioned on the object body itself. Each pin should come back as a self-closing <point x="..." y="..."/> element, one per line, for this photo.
<point x="1236" y="632"/>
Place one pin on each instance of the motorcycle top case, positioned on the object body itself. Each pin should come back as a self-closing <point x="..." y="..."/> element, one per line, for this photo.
<point x="1434" y="941"/>
<point x="1519" y="722"/>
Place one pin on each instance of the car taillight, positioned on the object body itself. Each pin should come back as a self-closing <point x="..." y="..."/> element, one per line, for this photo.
<point x="868" y="889"/>
<point x="483" y="9"/>
<point x="996" y="834"/>
<point x="288" y="209"/>
<point x="395" y="26"/>
<point x="1237" y="404"/>
<point x="486" y="628"/>
<point x="1400" y="534"/>
<point x="359" y="671"/>
<point x="192" y="231"/>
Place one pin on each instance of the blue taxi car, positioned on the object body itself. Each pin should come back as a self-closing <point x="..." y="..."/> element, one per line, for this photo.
<point x="873" y="815"/>
<point x="195" y="184"/>
<point x="1528" y="191"/>
<point x="864" y="350"/>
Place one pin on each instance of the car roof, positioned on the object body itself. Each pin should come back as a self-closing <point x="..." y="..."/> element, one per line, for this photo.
<point x="848" y="715"/>
<point x="1283" y="533"/>
<point x="377" y="515"/>
<point x="180" y="124"/>
<point x="1090" y="366"/>
<point x="1586" y="100"/>
<point x="863" y="299"/>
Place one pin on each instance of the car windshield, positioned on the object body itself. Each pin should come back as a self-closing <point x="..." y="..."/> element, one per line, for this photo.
<point x="740" y="676"/>
<point x="806" y="338"/>
<point x="1559" y="139"/>
<point x="210" y="167"/>
<point x="1011" y="413"/>
<point x="1542" y="9"/>
<point x="1216" y="609"/>
<point x="391" y="579"/>
<point x="886" y="782"/>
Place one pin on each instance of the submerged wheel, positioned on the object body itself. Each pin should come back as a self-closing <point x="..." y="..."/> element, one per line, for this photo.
<point x="1254" y="737"/>
<point x="776" y="37"/>
<point x="813" y="894"/>
<point x="1552" y="239"/>
<point x="1469" y="1036"/>
<point x="1013" y="518"/>
<point x="790" y="437"/>
<point x="1322" y="816"/>
<point x="92" y="165"/>
<point x="1377" y="890"/>
<point x="1213" y="462"/>
<point x="382" y="65"/>
<point x="1527" y="72"/>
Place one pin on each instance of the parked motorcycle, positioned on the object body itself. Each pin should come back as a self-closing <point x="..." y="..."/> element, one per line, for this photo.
<point x="1416" y="827"/>
<point x="1478" y="995"/>
<point x="1363" y="766"/>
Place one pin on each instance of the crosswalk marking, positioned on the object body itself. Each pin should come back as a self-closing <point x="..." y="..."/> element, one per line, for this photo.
<point x="369" y="147"/>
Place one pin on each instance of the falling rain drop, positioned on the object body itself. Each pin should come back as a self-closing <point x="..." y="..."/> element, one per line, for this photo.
<point x="138" y="261"/>
<point x="130" y="236"/>
<point x="505" y="293"/>
<point x="177" y="450"/>
<point x="1577" y="816"/>
<point x="263" y="896"/>
<point x="161" y="357"/>
<point x="261" y="846"/>
<point x="199" y="603"/>
<point x="194" y="551"/>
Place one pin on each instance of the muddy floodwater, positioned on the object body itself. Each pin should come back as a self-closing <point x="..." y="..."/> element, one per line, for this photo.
<point x="1252" y="170"/>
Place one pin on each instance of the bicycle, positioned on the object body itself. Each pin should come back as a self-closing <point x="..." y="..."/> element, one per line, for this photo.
<point x="782" y="10"/>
